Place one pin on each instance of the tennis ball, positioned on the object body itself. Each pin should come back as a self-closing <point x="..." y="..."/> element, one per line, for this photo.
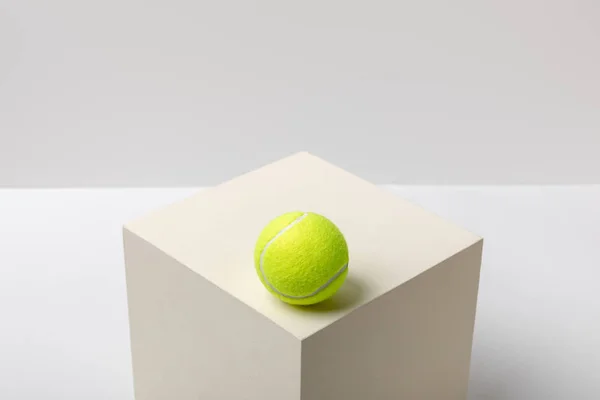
<point x="301" y="258"/>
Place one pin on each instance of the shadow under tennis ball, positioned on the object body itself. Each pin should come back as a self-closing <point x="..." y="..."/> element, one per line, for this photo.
<point x="349" y="295"/>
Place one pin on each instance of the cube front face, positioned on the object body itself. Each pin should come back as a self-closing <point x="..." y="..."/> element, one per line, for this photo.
<point x="192" y="341"/>
<point x="202" y="325"/>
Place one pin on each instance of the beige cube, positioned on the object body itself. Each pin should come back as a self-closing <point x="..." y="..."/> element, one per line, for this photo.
<point x="204" y="327"/>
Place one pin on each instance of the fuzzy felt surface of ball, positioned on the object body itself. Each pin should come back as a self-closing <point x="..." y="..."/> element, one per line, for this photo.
<point x="301" y="258"/>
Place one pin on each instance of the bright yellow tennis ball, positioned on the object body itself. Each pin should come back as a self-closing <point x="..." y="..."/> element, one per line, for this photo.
<point x="301" y="258"/>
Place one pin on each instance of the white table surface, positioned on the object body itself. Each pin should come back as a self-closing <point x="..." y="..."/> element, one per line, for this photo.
<point x="63" y="310"/>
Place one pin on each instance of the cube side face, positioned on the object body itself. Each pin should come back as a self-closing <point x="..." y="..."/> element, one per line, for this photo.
<point x="413" y="342"/>
<point x="190" y="340"/>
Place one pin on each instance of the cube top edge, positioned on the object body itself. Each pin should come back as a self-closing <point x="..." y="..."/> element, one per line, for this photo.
<point x="214" y="232"/>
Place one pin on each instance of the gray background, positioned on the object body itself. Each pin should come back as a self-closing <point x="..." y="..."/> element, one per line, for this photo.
<point x="189" y="93"/>
<point x="181" y="92"/>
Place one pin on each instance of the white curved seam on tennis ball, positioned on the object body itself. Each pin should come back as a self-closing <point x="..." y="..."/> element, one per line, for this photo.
<point x="264" y="250"/>
<point x="323" y="287"/>
<point x="262" y="271"/>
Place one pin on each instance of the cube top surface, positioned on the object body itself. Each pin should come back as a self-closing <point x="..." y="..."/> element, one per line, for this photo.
<point x="214" y="232"/>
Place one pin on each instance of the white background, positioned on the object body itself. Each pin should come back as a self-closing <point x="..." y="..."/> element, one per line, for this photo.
<point x="64" y="333"/>
<point x="184" y="92"/>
